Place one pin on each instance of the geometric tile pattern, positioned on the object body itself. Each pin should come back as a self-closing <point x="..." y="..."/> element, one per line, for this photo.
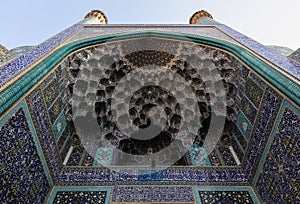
<point x="22" y="178"/>
<point x="198" y="156"/>
<point x="279" y="178"/>
<point x="156" y="194"/>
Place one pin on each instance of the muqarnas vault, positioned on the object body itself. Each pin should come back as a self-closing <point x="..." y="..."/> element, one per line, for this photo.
<point x="223" y="107"/>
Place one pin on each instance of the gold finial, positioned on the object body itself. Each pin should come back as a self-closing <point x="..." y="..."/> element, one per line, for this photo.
<point x="99" y="16"/>
<point x="196" y="18"/>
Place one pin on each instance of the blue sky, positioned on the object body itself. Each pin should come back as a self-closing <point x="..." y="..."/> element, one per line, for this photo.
<point x="270" y="22"/>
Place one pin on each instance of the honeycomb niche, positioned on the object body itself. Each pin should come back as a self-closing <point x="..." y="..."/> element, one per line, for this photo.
<point x="141" y="97"/>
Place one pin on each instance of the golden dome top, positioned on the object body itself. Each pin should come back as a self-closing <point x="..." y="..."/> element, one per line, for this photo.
<point x="196" y="18"/>
<point x="98" y="15"/>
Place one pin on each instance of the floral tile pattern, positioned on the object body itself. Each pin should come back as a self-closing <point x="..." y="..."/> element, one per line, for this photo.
<point x="55" y="110"/>
<point x="96" y="31"/>
<point x="39" y="107"/>
<point x="166" y="176"/>
<point x="103" y="157"/>
<point x="216" y="197"/>
<point x="262" y="130"/>
<point x="39" y="113"/>
<point x="279" y="178"/>
<point x="5" y="54"/>
<point x="248" y="110"/>
<point x="199" y="156"/>
<point x="74" y="195"/>
<point x="257" y="80"/>
<point x="59" y="126"/>
<point x="51" y="92"/>
<point x="244" y="125"/>
<point x="152" y="194"/>
<point x="11" y="69"/>
<point x="272" y="56"/>
<point x="80" y="197"/>
<point x="253" y="92"/>
<point x="22" y="177"/>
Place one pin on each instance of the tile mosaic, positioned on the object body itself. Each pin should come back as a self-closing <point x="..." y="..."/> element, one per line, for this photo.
<point x="152" y="194"/>
<point x="227" y="156"/>
<point x="224" y="194"/>
<point x="86" y="195"/>
<point x="51" y="92"/>
<point x="240" y="138"/>
<point x="22" y="176"/>
<point x="72" y="175"/>
<point x="95" y="31"/>
<point x="88" y="160"/>
<point x="257" y="80"/>
<point x="272" y="56"/>
<point x="65" y="148"/>
<point x="5" y="55"/>
<point x="104" y="156"/>
<point x="21" y="50"/>
<point x="214" y="197"/>
<point x="248" y="109"/>
<point x="55" y="109"/>
<point x="59" y="126"/>
<point x="80" y="197"/>
<point x="262" y="130"/>
<point x="41" y="123"/>
<point x="295" y="55"/>
<point x="253" y="92"/>
<point x="244" y="125"/>
<point x="278" y="178"/>
<point x="237" y="149"/>
<point x="76" y="156"/>
<point x="198" y="156"/>
<point x="63" y="139"/>
<point x="11" y="69"/>
<point x="149" y="176"/>
<point x="214" y="158"/>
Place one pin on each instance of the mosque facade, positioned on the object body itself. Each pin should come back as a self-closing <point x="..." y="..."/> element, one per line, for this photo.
<point x="188" y="113"/>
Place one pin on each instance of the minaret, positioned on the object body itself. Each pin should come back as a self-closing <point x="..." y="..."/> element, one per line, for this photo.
<point x="95" y="17"/>
<point x="202" y="17"/>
